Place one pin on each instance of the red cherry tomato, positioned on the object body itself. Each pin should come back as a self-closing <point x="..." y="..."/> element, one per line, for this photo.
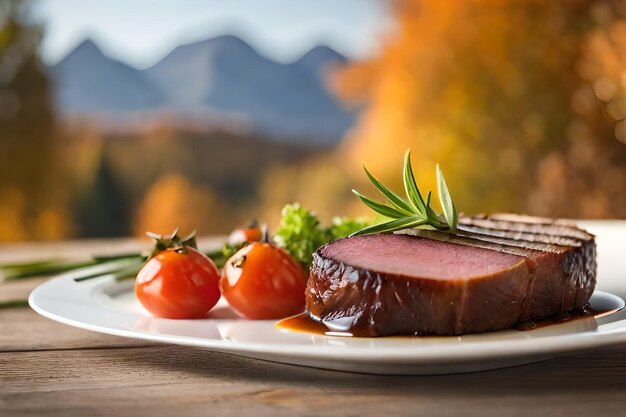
<point x="178" y="284"/>
<point x="262" y="281"/>
<point x="245" y="235"/>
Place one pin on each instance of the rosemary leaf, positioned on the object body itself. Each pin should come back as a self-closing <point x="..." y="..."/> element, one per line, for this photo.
<point x="107" y="268"/>
<point x="109" y="258"/>
<point x="449" y="210"/>
<point x="380" y="208"/>
<point x="393" y="198"/>
<point x="43" y="270"/>
<point x="13" y="303"/>
<point x="410" y="186"/>
<point x="29" y="264"/>
<point x="392" y="226"/>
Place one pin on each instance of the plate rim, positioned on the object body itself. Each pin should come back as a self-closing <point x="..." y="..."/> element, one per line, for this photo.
<point x="476" y="350"/>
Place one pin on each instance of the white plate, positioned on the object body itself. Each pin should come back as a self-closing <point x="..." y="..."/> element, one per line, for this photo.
<point x="105" y="306"/>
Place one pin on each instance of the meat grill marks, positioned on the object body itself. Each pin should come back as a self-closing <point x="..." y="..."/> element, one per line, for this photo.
<point x="561" y="257"/>
<point x="512" y="223"/>
<point x="556" y="274"/>
<point x="575" y="247"/>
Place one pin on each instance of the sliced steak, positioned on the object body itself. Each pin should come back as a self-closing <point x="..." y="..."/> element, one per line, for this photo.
<point x="495" y="271"/>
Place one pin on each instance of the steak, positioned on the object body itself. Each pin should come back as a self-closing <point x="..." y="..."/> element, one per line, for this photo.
<point x="493" y="272"/>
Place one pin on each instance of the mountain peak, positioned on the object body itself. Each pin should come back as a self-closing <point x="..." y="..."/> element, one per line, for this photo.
<point x="219" y="44"/>
<point x="87" y="46"/>
<point x="321" y="55"/>
<point x="228" y="41"/>
<point x="86" y="50"/>
<point x="224" y="44"/>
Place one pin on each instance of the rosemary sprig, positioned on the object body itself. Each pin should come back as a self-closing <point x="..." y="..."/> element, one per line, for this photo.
<point x="413" y="211"/>
<point x="17" y="272"/>
<point x="124" y="265"/>
<point x="13" y="303"/>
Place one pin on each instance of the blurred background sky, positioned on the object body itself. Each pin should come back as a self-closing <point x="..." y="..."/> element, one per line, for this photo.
<point x="142" y="32"/>
<point x="118" y="117"/>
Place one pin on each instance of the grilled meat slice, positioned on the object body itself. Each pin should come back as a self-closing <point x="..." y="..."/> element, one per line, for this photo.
<point x="493" y="272"/>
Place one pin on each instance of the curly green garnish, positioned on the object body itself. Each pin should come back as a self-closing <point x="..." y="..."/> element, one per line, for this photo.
<point x="300" y="232"/>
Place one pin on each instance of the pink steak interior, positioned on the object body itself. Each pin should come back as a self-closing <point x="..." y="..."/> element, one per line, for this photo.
<point x="417" y="257"/>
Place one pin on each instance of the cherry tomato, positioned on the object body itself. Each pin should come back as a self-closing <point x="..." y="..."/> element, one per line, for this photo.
<point x="178" y="284"/>
<point x="245" y="235"/>
<point x="262" y="281"/>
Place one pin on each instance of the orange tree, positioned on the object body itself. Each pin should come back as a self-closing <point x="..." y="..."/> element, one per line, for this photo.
<point x="522" y="103"/>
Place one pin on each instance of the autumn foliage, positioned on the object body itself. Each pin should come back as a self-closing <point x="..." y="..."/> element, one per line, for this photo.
<point x="521" y="102"/>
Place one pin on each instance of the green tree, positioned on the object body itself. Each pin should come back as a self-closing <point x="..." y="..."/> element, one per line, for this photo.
<point x="102" y="210"/>
<point x="27" y="126"/>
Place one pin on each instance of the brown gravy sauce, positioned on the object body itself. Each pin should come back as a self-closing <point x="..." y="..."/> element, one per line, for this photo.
<point x="302" y="323"/>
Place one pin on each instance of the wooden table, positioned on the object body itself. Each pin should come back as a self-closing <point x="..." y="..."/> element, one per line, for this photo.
<point x="50" y="369"/>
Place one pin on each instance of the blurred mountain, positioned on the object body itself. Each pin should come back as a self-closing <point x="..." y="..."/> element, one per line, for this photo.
<point x="86" y="82"/>
<point x="320" y="58"/>
<point x="208" y="81"/>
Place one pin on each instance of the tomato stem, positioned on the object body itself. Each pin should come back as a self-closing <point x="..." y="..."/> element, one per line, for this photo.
<point x="265" y="235"/>
<point x="173" y="241"/>
<point x="239" y="262"/>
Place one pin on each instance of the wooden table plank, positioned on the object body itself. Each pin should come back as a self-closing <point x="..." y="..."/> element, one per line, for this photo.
<point x="18" y="290"/>
<point x="22" y="329"/>
<point x="170" y="381"/>
<point x="77" y="249"/>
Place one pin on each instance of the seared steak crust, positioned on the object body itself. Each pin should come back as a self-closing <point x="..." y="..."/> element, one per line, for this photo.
<point x="544" y="267"/>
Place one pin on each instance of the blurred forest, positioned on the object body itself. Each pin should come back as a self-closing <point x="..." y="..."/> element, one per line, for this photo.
<point x="523" y="103"/>
<point x="30" y="204"/>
